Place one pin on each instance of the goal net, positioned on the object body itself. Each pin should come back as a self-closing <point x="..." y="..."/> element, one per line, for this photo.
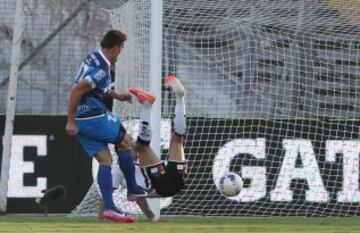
<point x="272" y="94"/>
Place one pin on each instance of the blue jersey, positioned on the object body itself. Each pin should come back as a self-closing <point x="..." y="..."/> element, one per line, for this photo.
<point x="96" y="70"/>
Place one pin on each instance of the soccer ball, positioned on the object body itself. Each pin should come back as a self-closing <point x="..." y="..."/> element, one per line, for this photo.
<point x="230" y="184"/>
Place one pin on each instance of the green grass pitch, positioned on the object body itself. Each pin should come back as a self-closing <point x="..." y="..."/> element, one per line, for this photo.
<point x="22" y="224"/>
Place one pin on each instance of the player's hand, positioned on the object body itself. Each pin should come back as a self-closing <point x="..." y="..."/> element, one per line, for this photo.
<point x="125" y="97"/>
<point x="71" y="129"/>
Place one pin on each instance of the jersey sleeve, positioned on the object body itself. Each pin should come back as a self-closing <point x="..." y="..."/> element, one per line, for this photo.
<point x="95" y="77"/>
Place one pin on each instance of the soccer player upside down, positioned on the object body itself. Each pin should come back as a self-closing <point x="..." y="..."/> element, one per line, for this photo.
<point x="165" y="180"/>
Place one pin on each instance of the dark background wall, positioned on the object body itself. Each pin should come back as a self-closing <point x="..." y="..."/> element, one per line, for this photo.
<point x="65" y="163"/>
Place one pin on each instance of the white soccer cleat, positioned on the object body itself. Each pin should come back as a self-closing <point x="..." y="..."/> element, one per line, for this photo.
<point x="175" y="85"/>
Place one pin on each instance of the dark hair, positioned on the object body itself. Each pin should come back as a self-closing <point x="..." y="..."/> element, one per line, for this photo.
<point x="113" y="38"/>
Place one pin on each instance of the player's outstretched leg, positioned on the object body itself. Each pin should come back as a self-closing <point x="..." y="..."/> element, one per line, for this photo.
<point x="145" y="153"/>
<point x="178" y="89"/>
<point x="177" y="165"/>
<point x="176" y="150"/>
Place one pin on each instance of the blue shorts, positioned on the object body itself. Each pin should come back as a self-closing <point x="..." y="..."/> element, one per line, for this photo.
<point x="96" y="132"/>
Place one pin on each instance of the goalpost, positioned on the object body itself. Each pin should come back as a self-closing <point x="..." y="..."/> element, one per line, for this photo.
<point x="17" y="64"/>
<point x="11" y="103"/>
<point x="272" y="94"/>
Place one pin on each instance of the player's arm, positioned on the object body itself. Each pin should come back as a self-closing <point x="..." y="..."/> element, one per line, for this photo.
<point x="120" y="97"/>
<point x="74" y="99"/>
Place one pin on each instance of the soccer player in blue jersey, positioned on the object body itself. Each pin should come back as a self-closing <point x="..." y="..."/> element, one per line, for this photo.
<point x="95" y="127"/>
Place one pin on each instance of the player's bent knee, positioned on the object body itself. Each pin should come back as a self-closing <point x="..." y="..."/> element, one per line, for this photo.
<point x="104" y="157"/>
<point x="141" y="141"/>
<point x="125" y="144"/>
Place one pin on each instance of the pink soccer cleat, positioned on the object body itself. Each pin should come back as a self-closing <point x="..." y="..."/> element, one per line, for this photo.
<point x="142" y="95"/>
<point x="117" y="216"/>
<point x="175" y="85"/>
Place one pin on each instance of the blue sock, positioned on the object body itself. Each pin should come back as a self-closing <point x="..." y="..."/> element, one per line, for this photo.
<point x="105" y="183"/>
<point x="127" y="166"/>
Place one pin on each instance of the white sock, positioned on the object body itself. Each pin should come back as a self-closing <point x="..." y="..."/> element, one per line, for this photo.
<point x="179" y="119"/>
<point x="145" y="114"/>
<point x="145" y="131"/>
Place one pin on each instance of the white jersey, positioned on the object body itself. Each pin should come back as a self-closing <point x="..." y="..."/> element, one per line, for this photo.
<point x="118" y="177"/>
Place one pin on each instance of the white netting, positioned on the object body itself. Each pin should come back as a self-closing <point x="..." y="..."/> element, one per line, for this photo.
<point x="90" y="204"/>
<point x="272" y="94"/>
